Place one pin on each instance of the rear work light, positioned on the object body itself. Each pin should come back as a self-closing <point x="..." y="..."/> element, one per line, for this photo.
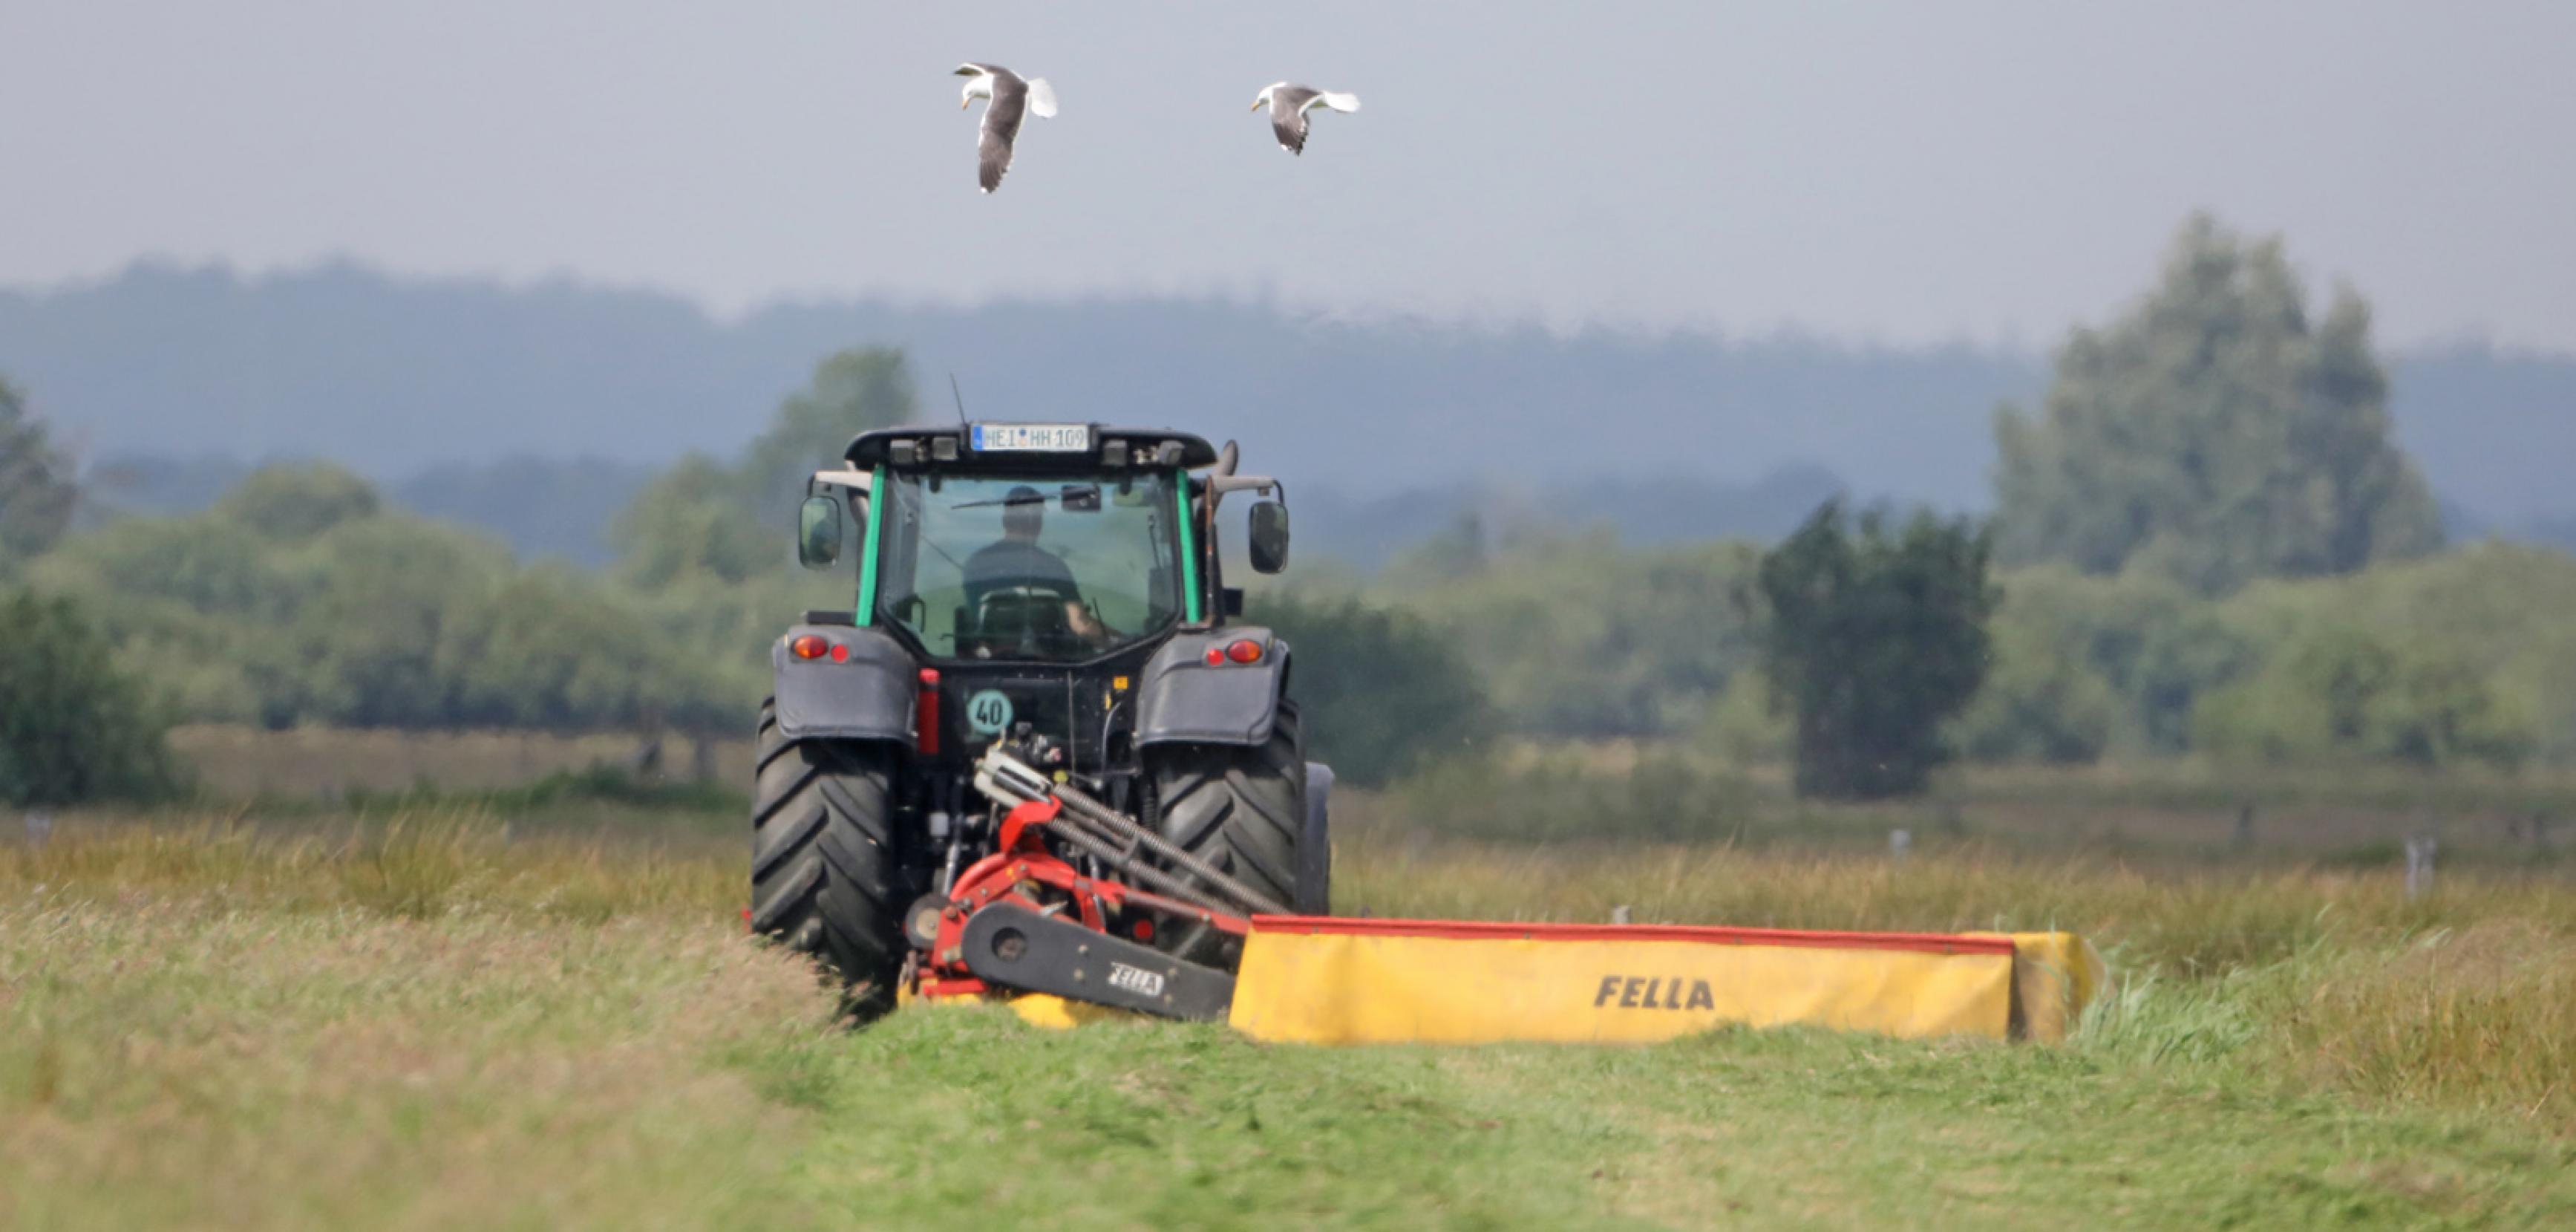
<point x="809" y="646"/>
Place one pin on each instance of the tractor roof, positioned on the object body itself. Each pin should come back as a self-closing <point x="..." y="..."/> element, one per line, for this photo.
<point x="1083" y="448"/>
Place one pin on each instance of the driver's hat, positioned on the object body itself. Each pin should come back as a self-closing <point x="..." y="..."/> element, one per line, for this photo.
<point x="1023" y="495"/>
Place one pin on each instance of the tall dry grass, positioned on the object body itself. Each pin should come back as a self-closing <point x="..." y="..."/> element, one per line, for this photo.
<point x="2182" y="811"/>
<point x="171" y="1063"/>
<point x="236" y="761"/>
<point x="412" y="864"/>
<point x="2482" y="1016"/>
<point x="2465" y="998"/>
<point x="2180" y="921"/>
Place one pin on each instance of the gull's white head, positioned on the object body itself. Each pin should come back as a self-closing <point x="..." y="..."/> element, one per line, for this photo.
<point x="979" y="84"/>
<point x="1262" y="99"/>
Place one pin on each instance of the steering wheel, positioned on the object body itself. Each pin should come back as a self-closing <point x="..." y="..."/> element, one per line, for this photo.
<point x="1029" y="618"/>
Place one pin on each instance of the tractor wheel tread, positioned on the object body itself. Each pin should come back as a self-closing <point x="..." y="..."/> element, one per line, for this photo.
<point x="825" y="858"/>
<point x="784" y="893"/>
<point x="1251" y="855"/>
<point x="1240" y="809"/>
<point x="1191" y="827"/>
<point x="774" y="843"/>
<point x="1250" y="798"/>
<point x="776" y="793"/>
<point x="770" y="751"/>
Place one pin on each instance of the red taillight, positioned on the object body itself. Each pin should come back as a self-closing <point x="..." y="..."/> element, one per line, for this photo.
<point x="1144" y="931"/>
<point x="840" y="653"/>
<point x="1244" y="651"/>
<point x="809" y="646"/>
<point x="1216" y="656"/>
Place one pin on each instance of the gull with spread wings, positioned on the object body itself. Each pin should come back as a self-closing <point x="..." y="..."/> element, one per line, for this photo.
<point x="1011" y="98"/>
<point x="1289" y="103"/>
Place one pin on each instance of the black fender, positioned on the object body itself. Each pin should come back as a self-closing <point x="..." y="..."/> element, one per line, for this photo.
<point x="868" y="695"/>
<point x="1183" y="699"/>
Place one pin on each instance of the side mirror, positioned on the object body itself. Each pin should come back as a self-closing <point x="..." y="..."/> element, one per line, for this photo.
<point x="1268" y="543"/>
<point x="818" y="532"/>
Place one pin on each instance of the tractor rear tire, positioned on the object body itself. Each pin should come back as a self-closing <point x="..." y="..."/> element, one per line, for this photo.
<point x="826" y="872"/>
<point x="1315" y="846"/>
<point x="1241" y="809"/>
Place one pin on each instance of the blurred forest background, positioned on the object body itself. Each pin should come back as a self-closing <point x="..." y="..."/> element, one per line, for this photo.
<point x="2201" y="534"/>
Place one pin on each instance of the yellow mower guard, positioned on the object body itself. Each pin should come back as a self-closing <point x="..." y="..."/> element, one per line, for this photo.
<point x="1347" y="981"/>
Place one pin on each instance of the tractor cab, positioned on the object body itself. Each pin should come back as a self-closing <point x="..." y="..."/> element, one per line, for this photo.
<point x="1034" y="543"/>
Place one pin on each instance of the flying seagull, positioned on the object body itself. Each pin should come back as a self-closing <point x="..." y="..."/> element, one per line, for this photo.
<point x="1011" y="97"/>
<point x="1289" y="103"/>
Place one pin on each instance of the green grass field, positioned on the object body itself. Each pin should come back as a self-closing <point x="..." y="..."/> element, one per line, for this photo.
<point x="425" y="1020"/>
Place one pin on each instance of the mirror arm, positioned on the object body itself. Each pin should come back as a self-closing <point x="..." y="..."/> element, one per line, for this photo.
<point x="1219" y="485"/>
<point x="859" y="481"/>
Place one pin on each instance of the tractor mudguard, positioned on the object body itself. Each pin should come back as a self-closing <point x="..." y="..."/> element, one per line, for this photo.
<point x="867" y="694"/>
<point x="1184" y="699"/>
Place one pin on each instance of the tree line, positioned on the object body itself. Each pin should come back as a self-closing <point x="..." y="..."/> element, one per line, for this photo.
<point x="2204" y="541"/>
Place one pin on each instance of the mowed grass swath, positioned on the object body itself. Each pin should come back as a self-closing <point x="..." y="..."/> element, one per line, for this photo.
<point x="425" y="1019"/>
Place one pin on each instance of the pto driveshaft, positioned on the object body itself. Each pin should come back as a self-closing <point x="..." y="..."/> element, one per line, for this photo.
<point x="1003" y="776"/>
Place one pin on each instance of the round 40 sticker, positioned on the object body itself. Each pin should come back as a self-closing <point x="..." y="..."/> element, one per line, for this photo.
<point x="989" y="712"/>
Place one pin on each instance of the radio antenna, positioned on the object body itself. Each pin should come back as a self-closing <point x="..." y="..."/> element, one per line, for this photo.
<point x="961" y="399"/>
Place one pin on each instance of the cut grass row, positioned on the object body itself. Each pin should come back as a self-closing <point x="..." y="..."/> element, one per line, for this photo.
<point x="427" y="1023"/>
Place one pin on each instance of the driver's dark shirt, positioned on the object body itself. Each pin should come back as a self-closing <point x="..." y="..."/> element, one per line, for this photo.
<point x="1013" y="562"/>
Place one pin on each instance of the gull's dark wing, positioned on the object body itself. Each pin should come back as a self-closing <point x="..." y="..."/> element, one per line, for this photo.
<point x="1288" y="116"/>
<point x="1002" y="118"/>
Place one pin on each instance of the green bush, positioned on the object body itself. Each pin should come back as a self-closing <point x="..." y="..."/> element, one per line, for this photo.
<point x="1877" y="638"/>
<point x="2461" y="657"/>
<point x="2087" y="666"/>
<point x="2342" y="690"/>
<point x="1571" y="796"/>
<point x="1575" y="636"/>
<point x="1746" y="727"/>
<point x="297" y="600"/>
<point x="1383" y="692"/>
<point x="72" y="728"/>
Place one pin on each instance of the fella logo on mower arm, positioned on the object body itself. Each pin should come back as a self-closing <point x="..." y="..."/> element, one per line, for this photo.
<point x="1135" y="979"/>
<point x="1637" y="992"/>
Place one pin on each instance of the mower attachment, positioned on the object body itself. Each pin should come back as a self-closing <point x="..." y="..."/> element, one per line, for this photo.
<point x="1028" y="920"/>
<point x="1014" y="947"/>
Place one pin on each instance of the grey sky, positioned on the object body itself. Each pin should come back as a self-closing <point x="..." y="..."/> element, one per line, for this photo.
<point x="1894" y="172"/>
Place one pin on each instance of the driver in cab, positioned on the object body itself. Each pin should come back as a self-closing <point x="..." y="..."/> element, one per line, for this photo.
<point x="1015" y="560"/>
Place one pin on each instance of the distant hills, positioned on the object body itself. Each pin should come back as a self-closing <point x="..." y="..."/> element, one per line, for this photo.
<point x="472" y="399"/>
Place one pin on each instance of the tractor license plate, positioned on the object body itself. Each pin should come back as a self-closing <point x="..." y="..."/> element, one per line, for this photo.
<point x="1032" y="438"/>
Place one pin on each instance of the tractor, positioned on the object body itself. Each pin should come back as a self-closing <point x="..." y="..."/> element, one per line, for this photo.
<point x="1048" y="599"/>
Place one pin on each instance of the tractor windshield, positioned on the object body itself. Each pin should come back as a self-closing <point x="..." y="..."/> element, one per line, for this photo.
<point x="1002" y="567"/>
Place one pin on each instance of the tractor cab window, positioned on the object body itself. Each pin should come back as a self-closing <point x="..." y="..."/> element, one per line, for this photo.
<point x="1035" y="567"/>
